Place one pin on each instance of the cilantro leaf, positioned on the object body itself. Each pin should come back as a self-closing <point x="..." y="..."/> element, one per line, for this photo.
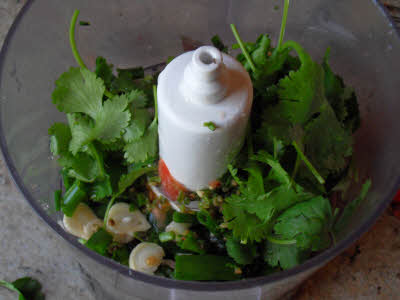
<point x="140" y="150"/>
<point x="285" y="256"/>
<point x="127" y="180"/>
<point x="60" y="136"/>
<point x="244" y="226"/>
<point x="242" y="254"/>
<point x="26" y="287"/>
<point x="342" y="99"/>
<point x="79" y="90"/>
<point x="101" y="189"/>
<point x="104" y="71"/>
<point x="301" y="92"/>
<point x="348" y="211"/>
<point x="327" y="143"/>
<point x="137" y="99"/>
<point x="107" y="125"/>
<point x="80" y="166"/>
<point x="136" y="129"/>
<point x="112" y="119"/>
<point x="308" y="223"/>
<point x="217" y="43"/>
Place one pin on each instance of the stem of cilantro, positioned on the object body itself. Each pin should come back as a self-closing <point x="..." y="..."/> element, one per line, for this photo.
<point x="108" y="209"/>
<point x="280" y="242"/>
<point x="98" y="159"/>
<point x="155" y="103"/>
<point x="72" y="40"/>
<point x="283" y="24"/>
<point x="308" y="163"/>
<point x="75" y="52"/>
<point x="243" y="48"/>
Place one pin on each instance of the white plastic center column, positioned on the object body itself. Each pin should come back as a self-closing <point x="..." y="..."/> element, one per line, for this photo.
<point x="198" y="87"/>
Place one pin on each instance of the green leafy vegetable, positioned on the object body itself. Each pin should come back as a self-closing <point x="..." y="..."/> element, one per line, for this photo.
<point x="26" y="287"/>
<point x="285" y="256"/>
<point x="243" y="254"/>
<point x="308" y="222"/>
<point x="350" y="208"/>
<point x="72" y="197"/>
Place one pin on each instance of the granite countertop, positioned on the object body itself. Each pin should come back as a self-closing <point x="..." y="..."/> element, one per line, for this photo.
<point x="370" y="269"/>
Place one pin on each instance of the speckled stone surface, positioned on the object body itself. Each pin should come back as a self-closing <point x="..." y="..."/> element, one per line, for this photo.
<point x="368" y="270"/>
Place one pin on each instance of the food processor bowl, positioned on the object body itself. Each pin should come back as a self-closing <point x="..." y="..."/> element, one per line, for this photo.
<point x="365" y="50"/>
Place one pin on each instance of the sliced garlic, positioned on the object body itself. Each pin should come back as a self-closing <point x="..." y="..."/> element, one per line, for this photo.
<point x="146" y="257"/>
<point x="178" y="228"/>
<point x="123" y="223"/>
<point x="83" y="222"/>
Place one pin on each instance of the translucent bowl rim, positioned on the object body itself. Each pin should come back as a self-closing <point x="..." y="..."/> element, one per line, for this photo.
<point x="316" y="261"/>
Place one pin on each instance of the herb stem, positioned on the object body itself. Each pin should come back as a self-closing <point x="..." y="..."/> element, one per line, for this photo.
<point x="296" y="167"/>
<point x="75" y="52"/>
<point x="308" y="163"/>
<point x="98" y="159"/>
<point x="155" y="103"/>
<point x="243" y="48"/>
<point x="273" y="240"/>
<point x="283" y="24"/>
<point x="109" y="205"/>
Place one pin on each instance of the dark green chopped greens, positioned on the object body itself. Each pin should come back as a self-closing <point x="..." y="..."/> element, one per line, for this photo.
<point x="27" y="288"/>
<point x="271" y="210"/>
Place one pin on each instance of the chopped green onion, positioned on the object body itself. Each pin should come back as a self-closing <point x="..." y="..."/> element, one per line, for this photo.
<point x="57" y="200"/>
<point x="100" y="241"/>
<point x="210" y="125"/>
<point x="67" y="181"/>
<point x="84" y="23"/>
<point x="204" y="267"/>
<point x="73" y="196"/>
<point x="183" y="218"/>
<point x="166" y="236"/>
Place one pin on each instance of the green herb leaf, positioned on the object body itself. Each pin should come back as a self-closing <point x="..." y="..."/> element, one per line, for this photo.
<point x="26" y="287"/>
<point x="350" y="208"/>
<point x="144" y="148"/>
<point x="79" y="90"/>
<point x="285" y="256"/>
<point x="243" y="254"/>
<point x="308" y="223"/>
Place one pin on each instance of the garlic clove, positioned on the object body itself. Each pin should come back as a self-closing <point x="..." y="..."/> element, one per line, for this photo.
<point x="83" y="222"/>
<point x="146" y="257"/>
<point x="123" y="223"/>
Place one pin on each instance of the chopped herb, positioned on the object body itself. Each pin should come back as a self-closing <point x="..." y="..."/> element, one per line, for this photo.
<point x="210" y="125"/>
<point x="84" y="23"/>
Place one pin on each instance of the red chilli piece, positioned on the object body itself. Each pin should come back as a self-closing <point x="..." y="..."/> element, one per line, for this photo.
<point x="171" y="187"/>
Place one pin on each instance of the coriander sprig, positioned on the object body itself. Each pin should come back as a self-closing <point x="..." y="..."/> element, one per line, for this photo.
<point x="74" y="49"/>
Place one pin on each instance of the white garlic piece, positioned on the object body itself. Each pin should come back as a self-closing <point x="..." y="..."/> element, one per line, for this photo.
<point x="146" y="257"/>
<point x="178" y="228"/>
<point x="123" y="223"/>
<point x="83" y="222"/>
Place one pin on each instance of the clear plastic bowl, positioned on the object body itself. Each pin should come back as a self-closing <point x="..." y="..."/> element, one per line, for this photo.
<point x="365" y="51"/>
